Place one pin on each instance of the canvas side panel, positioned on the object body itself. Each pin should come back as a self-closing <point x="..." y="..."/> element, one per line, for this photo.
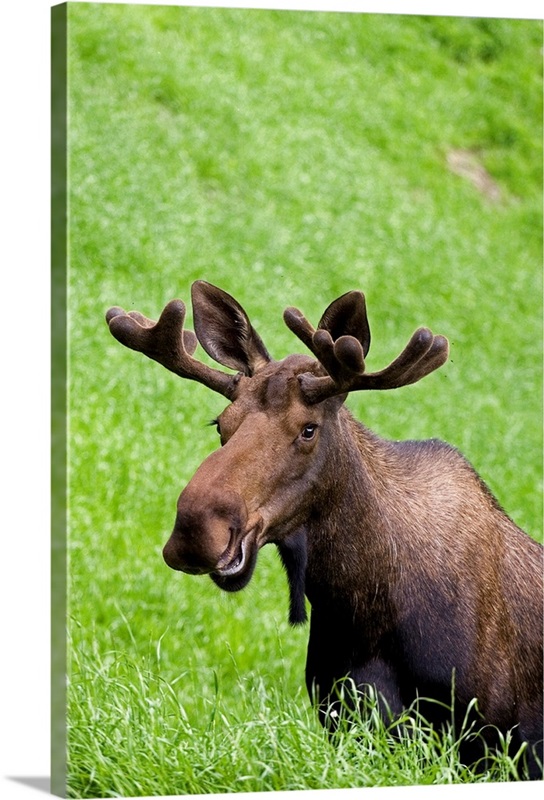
<point x="59" y="32"/>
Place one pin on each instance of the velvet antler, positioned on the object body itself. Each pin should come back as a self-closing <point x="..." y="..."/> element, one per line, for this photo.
<point x="341" y="343"/>
<point x="168" y="343"/>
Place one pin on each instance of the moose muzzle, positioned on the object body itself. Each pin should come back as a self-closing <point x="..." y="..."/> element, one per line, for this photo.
<point x="212" y="532"/>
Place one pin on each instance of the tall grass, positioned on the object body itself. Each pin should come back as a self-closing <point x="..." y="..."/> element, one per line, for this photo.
<point x="286" y="157"/>
<point x="266" y="741"/>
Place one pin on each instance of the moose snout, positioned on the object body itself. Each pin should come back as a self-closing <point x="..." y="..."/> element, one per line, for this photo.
<point x="207" y="531"/>
<point x="178" y="558"/>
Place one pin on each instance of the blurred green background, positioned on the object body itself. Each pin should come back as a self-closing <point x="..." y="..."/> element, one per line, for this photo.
<point x="286" y="157"/>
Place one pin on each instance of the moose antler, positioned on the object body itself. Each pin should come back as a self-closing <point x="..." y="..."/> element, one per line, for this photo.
<point x="168" y="343"/>
<point x="341" y="343"/>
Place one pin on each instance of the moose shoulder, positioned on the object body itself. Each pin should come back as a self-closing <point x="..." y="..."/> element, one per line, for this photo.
<point x="415" y="575"/>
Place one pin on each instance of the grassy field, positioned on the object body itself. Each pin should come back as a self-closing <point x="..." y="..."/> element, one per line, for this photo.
<point x="286" y="157"/>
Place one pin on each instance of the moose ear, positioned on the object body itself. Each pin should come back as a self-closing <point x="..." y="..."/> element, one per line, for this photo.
<point x="224" y="330"/>
<point x="347" y="316"/>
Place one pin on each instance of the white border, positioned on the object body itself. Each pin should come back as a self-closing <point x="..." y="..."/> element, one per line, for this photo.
<point x="24" y="412"/>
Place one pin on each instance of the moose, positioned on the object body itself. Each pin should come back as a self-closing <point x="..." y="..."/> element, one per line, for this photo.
<point x="421" y="588"/>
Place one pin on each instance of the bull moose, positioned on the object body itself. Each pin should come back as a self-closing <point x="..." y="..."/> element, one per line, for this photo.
<point x="417" y="579"/>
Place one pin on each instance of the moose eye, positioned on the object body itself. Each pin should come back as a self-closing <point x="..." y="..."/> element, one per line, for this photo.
<point x="308" y="431"/>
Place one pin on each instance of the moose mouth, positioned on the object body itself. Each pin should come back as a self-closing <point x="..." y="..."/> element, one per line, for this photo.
<point x="237" y="572"/>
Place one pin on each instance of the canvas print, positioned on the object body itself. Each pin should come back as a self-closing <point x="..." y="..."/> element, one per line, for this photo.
<point x="297" y="400"/>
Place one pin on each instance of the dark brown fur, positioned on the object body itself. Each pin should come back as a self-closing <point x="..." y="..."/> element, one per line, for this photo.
<point x="419" y="583"/>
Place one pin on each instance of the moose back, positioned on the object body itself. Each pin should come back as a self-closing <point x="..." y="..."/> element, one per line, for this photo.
<point x="417" y="579"/>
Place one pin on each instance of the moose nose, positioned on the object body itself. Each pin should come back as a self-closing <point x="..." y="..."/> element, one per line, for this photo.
<point x="176" y="558"/>
<point x="206" y="530"/>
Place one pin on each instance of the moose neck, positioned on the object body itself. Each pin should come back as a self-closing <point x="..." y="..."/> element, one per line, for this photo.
<point x="348" y="540"/>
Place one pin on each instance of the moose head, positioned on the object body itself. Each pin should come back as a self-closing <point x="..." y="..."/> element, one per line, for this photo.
<point x="278" y="432"/>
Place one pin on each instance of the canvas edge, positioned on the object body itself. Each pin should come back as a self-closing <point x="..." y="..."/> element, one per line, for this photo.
<point x="58" y="299"/>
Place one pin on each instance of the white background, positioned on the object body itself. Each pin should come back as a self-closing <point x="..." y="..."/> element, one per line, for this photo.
<point x="24" y="387"/>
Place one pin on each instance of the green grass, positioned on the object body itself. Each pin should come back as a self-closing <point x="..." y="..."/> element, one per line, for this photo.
<point x="286" y="157"/>
<point x="267" y="741"/>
